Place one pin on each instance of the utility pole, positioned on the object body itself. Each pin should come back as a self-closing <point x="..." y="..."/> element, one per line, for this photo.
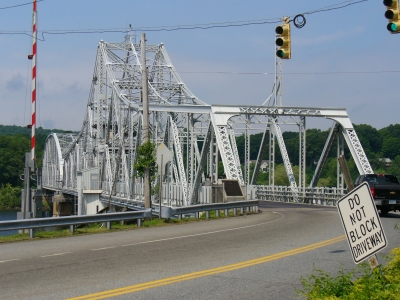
<point x="30" y="157"/>
<point x="145" y="99"/>
<point x="33" y="57"/>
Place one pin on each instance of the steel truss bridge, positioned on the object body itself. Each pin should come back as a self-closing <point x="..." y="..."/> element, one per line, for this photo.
<point x="96" y="165"/>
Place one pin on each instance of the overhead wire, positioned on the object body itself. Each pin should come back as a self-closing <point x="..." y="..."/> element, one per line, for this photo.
<point x="288" y="73"/>
<point x="18" y="5"/>
<point x="299" y="21"/>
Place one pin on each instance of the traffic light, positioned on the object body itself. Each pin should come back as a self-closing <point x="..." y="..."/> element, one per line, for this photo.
<point x="283" y="41"/>
<point x="393" y="15"/>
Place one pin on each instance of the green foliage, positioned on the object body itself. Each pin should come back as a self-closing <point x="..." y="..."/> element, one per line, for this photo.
<point x="391" y="147"/>
<point x="369" y="138"/>
<point x="12" y="158"/>
<point x="322" y="285"/>
<point x="382" y="282"/>
<point x="147" y="159"/>
<point x="10" y="197"/>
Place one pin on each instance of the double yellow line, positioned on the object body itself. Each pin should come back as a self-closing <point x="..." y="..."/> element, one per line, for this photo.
<point x="194" y="275"/>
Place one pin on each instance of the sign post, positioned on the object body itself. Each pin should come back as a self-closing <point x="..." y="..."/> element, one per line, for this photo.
<point x="361" y="223"/>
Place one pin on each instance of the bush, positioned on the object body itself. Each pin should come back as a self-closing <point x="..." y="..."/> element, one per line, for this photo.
<point x="381" y="283"/>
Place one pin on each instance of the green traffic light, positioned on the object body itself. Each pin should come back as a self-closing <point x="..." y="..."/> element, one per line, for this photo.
<point x="280" y="53"/>
<point x="392" y="27"/>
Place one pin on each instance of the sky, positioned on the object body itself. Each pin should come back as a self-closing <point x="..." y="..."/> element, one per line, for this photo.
<point x="342" y="58"/>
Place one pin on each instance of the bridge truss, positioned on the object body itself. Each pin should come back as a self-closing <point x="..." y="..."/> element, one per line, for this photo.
<point x="98" y="163"/>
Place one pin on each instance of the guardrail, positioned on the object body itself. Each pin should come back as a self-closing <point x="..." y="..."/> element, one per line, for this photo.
<point x="72" y="221"/>
<point x="168" y="212"/>
<point x="317" y="195"/>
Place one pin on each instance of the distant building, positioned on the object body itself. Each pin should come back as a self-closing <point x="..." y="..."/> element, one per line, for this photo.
<point x="387" y="161"/>
<point x="264" y="165"/>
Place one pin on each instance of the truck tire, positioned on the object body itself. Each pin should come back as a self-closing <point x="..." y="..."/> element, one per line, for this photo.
<point x="384" y="211"/>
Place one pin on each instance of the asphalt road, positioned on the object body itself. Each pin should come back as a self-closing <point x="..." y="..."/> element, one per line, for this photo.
<point x="260" y="256"/>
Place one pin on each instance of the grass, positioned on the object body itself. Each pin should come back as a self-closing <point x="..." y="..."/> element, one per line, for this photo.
<point x="101" y="228"/>
<point x="362" y="283"/>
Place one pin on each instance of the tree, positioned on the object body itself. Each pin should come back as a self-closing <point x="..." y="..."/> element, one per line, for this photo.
<point x="395" y="168"/>
<point x="147" y="159"/>
<point x="370" y="139"/>
<point x="12" y="154"/>
<point x="10" y="197"/>
<point x="391" y="147"/>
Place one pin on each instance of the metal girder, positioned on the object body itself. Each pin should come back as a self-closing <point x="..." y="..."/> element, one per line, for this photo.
<point x="302" y="152"/>
<point x="271" y="165"/>
<point x="340" y="153"/>
<point x="356" y="149"/>
<point x="179" y="160"/>
<point x="220" y="121"/>
<point x="324" y="154"/>
<point x="260" y="155"/>
<point x="200" y="166"/>
<point x="234" y="146"/>
<point x="247" y="151"/>
<point x="286" y="160"/>
<point x="190" y="157"/>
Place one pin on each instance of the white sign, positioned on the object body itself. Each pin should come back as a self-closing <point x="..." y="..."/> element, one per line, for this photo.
<point x="361" y="223"/>
<point x="164" y="155"/>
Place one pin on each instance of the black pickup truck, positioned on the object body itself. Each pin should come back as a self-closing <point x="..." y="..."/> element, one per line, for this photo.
<point x="385" y="189"/>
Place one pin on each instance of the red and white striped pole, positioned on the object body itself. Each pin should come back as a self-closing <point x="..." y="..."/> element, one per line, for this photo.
<point x="34" y="59"/>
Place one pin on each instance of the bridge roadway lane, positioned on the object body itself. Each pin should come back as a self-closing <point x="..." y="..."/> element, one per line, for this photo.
<point x="82" y="265"/>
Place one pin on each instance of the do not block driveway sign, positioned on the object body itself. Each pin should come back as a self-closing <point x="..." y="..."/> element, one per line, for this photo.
<point x="361" y="223"/>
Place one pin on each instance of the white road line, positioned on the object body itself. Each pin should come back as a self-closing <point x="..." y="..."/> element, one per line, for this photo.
<point x="205" y="233"/>
<point x="105" y="248"/>
<point x="4" y="261"/>
<point x="57" y="254"/>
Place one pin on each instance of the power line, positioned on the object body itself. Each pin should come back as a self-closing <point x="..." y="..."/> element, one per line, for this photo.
<point x="287" y="73"/>
<point x="334" y="6"/>
<point x="18" y="5"/>
<point x="339" y="5"/>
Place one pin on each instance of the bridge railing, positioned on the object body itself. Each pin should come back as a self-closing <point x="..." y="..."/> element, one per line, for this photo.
<point x="318" y="195"/>
<point x="172" y="193"/>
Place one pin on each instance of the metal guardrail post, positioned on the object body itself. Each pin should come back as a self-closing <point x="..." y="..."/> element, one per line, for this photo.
<point x="226" y="212"/>
<point x="140" y="222"/>
<point x="217" y="213"/>
<point x="72" y="228"/>
<point x="31" y="233"/>
<point x="207" y="214"/>
<point x="235" y="211"/>
<point x="108" y="225"/>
